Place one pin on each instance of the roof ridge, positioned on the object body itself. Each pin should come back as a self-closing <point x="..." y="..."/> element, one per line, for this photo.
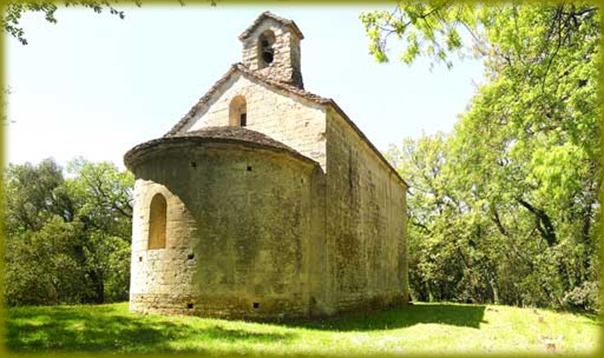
<point x="200" y="102"/>
<point x="289" y="88"/>
<point x="238" y="66"/>
<point x="284" y="85"/>
<point x="287" y="22"/>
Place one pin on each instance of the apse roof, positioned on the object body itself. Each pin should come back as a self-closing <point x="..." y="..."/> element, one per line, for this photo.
<point x="226" y="134"/>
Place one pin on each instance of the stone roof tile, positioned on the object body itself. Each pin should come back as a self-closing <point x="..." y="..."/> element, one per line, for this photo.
<point x="267" y="14"/>
<point x="243" y="69"/>
<point x="236" y="133"/>
<point x="201" y="102"/>
<point x="238" y="67"/>
<point x="226" y="134"/>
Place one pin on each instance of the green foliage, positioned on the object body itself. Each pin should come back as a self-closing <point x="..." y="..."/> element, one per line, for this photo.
<point x="505" y="209"/>
<point x="34" y="278"/>
<point x="67" y="239"/>
<point x="421" y="328"/>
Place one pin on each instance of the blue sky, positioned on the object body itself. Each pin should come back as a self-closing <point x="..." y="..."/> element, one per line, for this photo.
<point x="94" y="85"/>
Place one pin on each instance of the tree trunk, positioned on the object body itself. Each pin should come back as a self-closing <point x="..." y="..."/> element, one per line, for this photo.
<point x="544" y="224"/>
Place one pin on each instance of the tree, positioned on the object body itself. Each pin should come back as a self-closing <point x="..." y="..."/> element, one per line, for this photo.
<point x="77" y="231"/>
<point x="525" y="156"/>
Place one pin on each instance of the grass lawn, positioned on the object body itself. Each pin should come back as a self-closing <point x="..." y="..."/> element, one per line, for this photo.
<point x="421" y="328"/>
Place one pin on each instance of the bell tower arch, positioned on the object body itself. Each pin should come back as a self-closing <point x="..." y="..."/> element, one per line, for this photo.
<point x="271" y="45"/>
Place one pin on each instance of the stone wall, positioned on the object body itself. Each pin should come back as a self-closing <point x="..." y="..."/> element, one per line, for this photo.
<point x="366" y="213"/>
<point x="285" y="117"/>
<point x="286" y="66"/>
<point x="363" y="260"/>
<point x="254" y="232"/>
<point x="241" y="226"/>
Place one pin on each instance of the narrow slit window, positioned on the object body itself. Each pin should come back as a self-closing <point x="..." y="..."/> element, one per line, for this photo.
<point x="238" y="112"/>
<point x="243" y="119"/>
<point x="157" y="222"/>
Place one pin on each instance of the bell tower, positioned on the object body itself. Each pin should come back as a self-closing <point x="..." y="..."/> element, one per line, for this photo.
<point x="271" y="46"/>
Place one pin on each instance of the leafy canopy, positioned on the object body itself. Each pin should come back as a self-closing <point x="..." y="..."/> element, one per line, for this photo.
<point x="505" y="208"/>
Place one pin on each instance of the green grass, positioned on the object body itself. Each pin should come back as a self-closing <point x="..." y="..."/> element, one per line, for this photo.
<point x="421" y="328"/>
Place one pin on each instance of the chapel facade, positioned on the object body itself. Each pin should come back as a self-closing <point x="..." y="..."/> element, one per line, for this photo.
<point x="266" y="201"/>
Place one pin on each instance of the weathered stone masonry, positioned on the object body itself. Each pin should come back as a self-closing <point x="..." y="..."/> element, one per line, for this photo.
<point x="274" y="204"/>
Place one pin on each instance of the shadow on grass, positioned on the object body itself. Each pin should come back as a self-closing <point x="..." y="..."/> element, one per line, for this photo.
<point x="400" y="317"/>
<point x="105" y="328"/>
<point x="62" y="329"/>
<point x="593" y="318"/>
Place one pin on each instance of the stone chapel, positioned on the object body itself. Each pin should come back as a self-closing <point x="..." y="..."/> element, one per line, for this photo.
<point x="265" y="201"/>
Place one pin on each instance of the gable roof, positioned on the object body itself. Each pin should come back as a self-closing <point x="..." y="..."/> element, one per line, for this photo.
<point x="238" y="67"/>
<point x="267" y="14"/>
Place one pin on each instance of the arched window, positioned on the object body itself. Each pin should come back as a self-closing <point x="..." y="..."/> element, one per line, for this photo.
<point x="266" y="53"/>
<point x="157" y="222"/>
<point x="238" y="112"/>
